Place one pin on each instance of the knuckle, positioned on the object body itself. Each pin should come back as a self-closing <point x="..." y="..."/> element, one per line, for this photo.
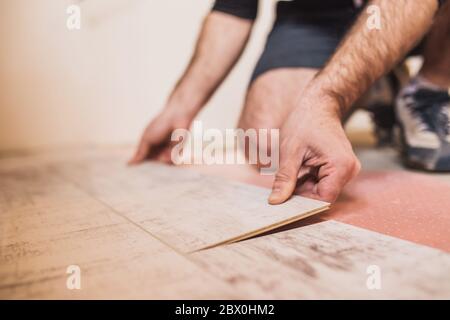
<point x="283" y="177"/>
<point x="357" y="166"/>
<point x="349" y="163"/>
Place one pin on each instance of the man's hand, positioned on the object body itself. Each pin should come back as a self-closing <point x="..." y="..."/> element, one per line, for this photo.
<point x="316" y="158"/>
<point x="313" y="140"/>
<point x="155" y="142"/>
<point x="221" y="42"/>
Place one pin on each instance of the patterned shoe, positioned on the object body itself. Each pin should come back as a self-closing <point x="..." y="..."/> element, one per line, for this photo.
<point x="423" y="116"/>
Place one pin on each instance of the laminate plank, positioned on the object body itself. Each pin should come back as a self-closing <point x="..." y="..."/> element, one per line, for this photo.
<point x="48" y="224"/>
<point x="186" y="209"/>
<point x="89" y="210"/>
<point x="36" y="204"/>
<point x="330" y="260"/>
<point x="116" y="262"/>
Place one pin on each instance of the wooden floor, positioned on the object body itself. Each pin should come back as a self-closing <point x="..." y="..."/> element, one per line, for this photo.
<point x="85" y="208"/>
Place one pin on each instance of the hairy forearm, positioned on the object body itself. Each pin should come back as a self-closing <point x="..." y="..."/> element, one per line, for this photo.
<point x="220" y="44"/>
<point x="366" y="54"/>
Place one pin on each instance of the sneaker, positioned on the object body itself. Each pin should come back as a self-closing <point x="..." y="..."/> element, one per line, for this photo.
<point x="423" y="117"/>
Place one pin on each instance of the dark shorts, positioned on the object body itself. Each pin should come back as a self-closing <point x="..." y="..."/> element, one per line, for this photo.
<point x="304" y="39"/>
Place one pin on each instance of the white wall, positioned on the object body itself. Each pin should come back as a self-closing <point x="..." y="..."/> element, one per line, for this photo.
<point x="101" y="84"/>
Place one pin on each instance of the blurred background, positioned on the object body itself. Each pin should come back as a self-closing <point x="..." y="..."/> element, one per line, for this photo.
<point x="101" y="84"/>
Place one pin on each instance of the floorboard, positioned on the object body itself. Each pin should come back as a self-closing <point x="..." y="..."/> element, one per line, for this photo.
<point x="88" y="209"/>
<point x="186" y="209"/>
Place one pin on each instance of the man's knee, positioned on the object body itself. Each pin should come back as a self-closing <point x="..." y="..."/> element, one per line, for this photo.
<point x="259" y="108"/>
<point x="261" y="118"/>
<point x="272" y="96"/>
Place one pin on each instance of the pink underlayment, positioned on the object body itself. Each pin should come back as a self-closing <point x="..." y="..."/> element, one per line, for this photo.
<point x="409" y="206"/>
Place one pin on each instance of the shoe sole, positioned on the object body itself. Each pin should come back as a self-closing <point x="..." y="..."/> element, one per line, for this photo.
<point x="410" y="163"/>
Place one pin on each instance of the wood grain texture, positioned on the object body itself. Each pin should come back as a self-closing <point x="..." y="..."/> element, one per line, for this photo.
<point x="186" y="209"/>
<point x="329" y="260"/>
<point x="88" y="209"/>
<point x="48" y="224"/>
<point x="401" y="204"/>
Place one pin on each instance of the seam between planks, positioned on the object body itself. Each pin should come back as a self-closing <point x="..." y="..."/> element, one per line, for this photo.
<point x="186" y="256"/>
<point x="120" y="214"/>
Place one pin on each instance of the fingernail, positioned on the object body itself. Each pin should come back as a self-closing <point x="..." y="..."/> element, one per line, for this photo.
<point x="274" y="197"/>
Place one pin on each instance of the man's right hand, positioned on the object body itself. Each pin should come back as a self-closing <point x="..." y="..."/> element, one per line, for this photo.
<point x="156" y="141"/>
<point x="221" y="42"/>
<point x="316" y="158"/>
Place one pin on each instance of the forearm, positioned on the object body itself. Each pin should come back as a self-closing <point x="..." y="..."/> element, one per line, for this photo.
<point x="221" y="42"/>
<point x="366" y="54"/>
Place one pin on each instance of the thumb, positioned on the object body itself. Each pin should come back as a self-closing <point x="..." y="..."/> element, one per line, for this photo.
<point x="154" y="134"/>
<point x="285" y="179"/>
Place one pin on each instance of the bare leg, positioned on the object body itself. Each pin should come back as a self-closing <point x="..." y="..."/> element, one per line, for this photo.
<point x="272" y="96"/>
